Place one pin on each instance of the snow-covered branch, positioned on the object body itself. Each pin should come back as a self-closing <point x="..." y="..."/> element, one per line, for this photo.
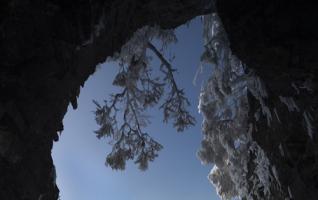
<point x="140" y="91"/>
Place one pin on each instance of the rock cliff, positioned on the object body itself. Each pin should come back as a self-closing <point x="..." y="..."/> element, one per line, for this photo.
<point x="278" y="40"/>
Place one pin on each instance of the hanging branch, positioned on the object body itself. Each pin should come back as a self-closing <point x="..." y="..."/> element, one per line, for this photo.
<point x="175" y="105"/>
<point x="139" y="91"/>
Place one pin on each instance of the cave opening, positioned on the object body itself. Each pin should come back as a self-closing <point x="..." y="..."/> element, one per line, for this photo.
<point x="177" y="173"/>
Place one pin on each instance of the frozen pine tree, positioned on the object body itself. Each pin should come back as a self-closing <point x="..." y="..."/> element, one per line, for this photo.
<point x="140" y="90"/>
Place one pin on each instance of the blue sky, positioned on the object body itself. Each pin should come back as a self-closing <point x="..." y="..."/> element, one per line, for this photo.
<point x="176" y="174"/>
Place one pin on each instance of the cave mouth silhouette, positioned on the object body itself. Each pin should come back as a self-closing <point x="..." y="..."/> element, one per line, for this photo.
<point x="44" y="62"/>
<point x="87" y="153"/>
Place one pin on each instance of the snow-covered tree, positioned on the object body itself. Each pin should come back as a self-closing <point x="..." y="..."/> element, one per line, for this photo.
<point x="140" y="90"/>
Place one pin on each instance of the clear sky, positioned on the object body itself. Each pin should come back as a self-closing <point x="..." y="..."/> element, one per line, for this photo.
<point x="176" y="174"/>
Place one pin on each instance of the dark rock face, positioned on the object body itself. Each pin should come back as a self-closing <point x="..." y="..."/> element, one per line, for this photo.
<point x="278" y="39"/>
<point x="47" y="51"/>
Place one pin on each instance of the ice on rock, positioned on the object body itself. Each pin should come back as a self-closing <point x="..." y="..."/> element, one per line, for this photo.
<point x="227" y="140"/>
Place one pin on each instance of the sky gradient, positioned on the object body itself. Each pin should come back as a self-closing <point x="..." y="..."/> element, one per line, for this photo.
<point x="176" y="174"/>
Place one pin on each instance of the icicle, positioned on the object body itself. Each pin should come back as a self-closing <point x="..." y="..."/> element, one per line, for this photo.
<point x="227" y="134"/>
<point x="309" y="126"/>
<point x="199" y="71"/>
<point x="275" y="175"/>
<point x="276" y="114"/>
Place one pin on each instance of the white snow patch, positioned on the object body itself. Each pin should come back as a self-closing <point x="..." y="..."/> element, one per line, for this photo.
<point x="237" y="143"/>
<point x="262" y="169"/>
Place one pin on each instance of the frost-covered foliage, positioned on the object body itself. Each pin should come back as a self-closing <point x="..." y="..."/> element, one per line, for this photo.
<point x="242" y="169"/>
<point x="139" y="90"/>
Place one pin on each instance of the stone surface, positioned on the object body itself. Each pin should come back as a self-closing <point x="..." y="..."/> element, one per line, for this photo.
<point x="278" y="39"/>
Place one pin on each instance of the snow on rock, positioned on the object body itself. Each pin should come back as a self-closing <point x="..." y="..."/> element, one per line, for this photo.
<point x="276" y="114"/>
<point x="242" y="169"/>
<point x="274" y="170"/>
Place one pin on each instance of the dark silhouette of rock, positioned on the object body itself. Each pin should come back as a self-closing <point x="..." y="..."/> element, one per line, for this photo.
<point x="278" y="39"/>
<point x="47" y="51"/>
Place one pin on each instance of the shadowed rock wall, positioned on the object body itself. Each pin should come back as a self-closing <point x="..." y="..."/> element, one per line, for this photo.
<point x="279" y="40"/>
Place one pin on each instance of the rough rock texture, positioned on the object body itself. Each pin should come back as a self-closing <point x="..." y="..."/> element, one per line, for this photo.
<point x="279" y="39"/>
<point x="47" y="51"/>
<point x="241" y="166"/>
